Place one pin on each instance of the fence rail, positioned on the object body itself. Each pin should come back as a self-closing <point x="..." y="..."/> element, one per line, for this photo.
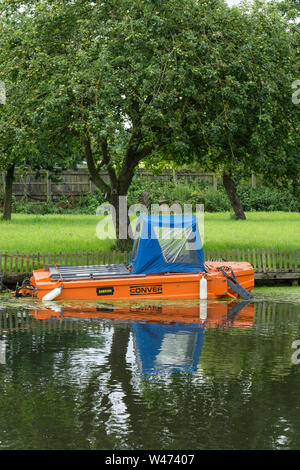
<point x="263" y="260"/>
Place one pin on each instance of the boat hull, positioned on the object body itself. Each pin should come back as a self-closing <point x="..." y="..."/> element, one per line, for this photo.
<point x="151" y="286"/>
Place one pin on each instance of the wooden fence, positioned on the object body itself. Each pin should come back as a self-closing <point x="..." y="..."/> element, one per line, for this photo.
<point x="21" y="263"/>
<point x="47" y="187"/>
<point x="267" y="263"/>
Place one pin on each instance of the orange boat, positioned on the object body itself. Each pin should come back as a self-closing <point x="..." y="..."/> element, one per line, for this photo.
<point x="167" y="262"/>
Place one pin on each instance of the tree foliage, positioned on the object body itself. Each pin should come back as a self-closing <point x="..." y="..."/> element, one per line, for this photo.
<point x="23" y="143"/>
<point x="253" y="122"/>
<point x="117" y="83"/>
<point x="241" y="118"/>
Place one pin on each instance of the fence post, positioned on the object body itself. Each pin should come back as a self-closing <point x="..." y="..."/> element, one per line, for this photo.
<point x="215" y="182"/>
<point x="5" y="264"/>
<point x="253" y="259"/>
<point x="48" y="187"/>
<point x="253" y="180"/>
<point x="175" y="176"/>
<point x="264" y="260"/>
<point x="259" y="260"/>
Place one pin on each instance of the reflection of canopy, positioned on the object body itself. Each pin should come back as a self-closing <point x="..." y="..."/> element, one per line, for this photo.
<point x="168" y="348"/>
<point x="167" y="243"/>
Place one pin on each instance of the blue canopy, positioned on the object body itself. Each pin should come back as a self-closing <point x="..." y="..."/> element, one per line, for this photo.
<point x="167" y="243"/>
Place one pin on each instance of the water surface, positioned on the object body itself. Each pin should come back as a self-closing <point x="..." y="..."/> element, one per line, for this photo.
<point x="151" y="376"/>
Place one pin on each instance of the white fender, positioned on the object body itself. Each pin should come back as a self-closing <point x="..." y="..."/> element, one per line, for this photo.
<point x="203" y="288"/>
<point x="53" y="294"/>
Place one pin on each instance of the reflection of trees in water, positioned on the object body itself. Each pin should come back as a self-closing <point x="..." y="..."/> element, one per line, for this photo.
<point x="244" y="396"/>
<point x="275" y="326"/>
<point x="39" y="391"/>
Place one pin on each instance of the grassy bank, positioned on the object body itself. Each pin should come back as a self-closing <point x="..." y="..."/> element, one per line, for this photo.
<point x="50" y="234"/>
<point x="278" y="230"/>
<point x="66" y="233"/>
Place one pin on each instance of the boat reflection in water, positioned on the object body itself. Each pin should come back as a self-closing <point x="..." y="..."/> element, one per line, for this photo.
<point x="167" y="337"/>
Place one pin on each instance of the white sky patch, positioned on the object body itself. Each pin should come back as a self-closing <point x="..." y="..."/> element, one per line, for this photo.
<point x="233" y="2"/>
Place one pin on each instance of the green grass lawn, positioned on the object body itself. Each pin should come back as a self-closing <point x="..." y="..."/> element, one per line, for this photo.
<point x="51" y="234"/>
<point x="278" y="230"/>
<point x="68" y="233"/>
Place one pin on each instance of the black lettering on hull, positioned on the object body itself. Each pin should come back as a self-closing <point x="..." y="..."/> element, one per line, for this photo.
<point x="154" y="289"/>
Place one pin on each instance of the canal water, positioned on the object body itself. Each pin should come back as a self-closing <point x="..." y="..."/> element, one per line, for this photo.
<point x="150" y="376"/>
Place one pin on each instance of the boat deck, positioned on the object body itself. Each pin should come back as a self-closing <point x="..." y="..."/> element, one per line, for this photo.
<point x="70" y="273"/>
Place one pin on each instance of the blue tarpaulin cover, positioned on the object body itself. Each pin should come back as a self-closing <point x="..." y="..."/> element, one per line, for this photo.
<point x="167" y="243"/>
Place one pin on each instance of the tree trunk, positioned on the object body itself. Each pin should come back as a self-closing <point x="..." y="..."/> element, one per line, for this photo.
<point x="122" y="221"/>
<point x="9" y="177"/>
<point x="118" y="184"/>
<point x="233" y="196"/>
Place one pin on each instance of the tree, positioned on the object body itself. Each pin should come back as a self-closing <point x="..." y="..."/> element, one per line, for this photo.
<point x="110" y="79"/>
<point x="22" y="143"/>
<point x="290" y="8"/>
<point x="244" y="118"/>
<point x="10" y="132"/>
<point x="118" y="83"/>
<point x="264" y="127"/>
